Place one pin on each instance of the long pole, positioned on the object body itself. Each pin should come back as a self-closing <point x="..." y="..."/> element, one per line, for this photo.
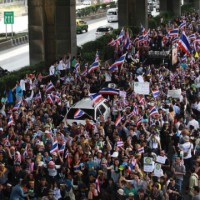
<point x="6" y="32"/>
<point x="12" y="29"/>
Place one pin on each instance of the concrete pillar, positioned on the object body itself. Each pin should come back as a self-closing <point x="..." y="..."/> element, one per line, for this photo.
<point x="173" y="6"/>
<point x="133" y="13"/>
<point x="176" y="7"/>
<point x="163" y="6"/>
<point x="123" y="13"/>
<point x="141" y="13"/>
<point x="52" y="29"/>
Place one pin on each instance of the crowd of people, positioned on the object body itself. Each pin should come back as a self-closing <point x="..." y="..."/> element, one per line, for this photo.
<point x="147" y="149"/>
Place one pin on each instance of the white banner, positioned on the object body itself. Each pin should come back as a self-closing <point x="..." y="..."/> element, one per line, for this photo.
<point x="141" y="88"/>
<point x="174" y="93"/>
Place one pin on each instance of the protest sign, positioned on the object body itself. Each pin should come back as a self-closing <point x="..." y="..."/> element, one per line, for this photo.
<point x="157" y="170"/>
<point x="161" y="159"/>
<point x="174" y="93"/>
<point x="141" y="88"/>
<point x="148" y="164"/>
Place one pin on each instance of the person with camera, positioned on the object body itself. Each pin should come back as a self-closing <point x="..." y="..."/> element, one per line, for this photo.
<point x="154" y="142"/>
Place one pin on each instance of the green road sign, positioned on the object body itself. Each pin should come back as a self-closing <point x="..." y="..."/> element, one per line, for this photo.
<point x="8" y="17"/>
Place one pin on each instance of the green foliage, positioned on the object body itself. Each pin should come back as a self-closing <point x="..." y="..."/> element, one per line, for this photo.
<point x="152" y="23"/>
<point x="94" y="8"/>
<point x="9" y="81"/>
<point x="187" y="8"/>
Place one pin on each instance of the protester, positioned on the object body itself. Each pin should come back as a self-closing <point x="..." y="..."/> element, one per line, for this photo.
<point x="146" y="148"/>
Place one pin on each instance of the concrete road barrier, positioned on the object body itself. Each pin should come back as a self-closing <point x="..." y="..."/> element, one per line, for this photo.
<point x="14" y="42"/>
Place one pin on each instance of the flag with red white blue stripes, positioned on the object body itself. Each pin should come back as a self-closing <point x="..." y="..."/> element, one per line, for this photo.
<point x="79" y="113"/>
<point x="54" y="147"/>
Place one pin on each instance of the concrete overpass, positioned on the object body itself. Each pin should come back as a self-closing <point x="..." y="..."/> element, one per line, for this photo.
<point x="52" y="24"/>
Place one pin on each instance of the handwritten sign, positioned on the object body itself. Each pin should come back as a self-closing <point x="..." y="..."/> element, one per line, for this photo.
<point x="161" y="159"/>
<point x="174" y="93"/>
<point x="141" y="88"/>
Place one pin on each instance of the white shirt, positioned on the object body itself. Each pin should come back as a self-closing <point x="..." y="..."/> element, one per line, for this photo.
<point x="61" y="65"/>
<point x="194" y="123"/>
<point x="197" y="81"/>
<point x="51" y="70"/>
<point x="22" y="84"/>
<point x="187" y="148"/>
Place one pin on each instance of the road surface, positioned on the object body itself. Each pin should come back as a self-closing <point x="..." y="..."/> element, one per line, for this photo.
<point x="18" y="57"/>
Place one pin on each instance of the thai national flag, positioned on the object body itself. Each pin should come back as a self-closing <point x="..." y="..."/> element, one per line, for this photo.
<point x="62" y="149"/>
<point x="155" y="93"/>
<point x="96" y="98"/>
<point x="153" y="111"/>
<point x="85" y="72"/>
<point x="182" y="25"/>
<point x="10" y="121"/>
<point x="184" y="58"/>
<point x="49" y="87"/>
<point x="67" y="154"/>
<point x="141" y="39"/>
<point x="79" y="113"/>
<point x="140" y="150"/>
<point x="139" y="121"/>
<point x="118" y="120"/>
<point x="127" y="41"/>
<point x="135" y="40"/>
<point x="120" y="61"/>
<point x="112" y="43"/>
<point x="94" y="66"/>
<point x="17" y="106"/>
<point x="134" y="112"/>
<point x="38" y="96"/>
<point x="174" y="33"/>
<point x="190" y="26"/>
<point x="142" y="28"/>
<point x="197" y="40"/>
<point x="184" y="43"/>
<point x="77" y="67"/>
<point x="113" y="68"/>
<point x="120" y="143"/>
<point x="54" y="147"/>
<point x="192" y="37"/>
<point x="141" y="99"/>
<point x="110" y="91"/>
<point x="50" y="98"/>
<point x="57" y="98"/>
<point x="175" y="40"/>
<point x="161" y="77"/>
<point x="121" y="35"/>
